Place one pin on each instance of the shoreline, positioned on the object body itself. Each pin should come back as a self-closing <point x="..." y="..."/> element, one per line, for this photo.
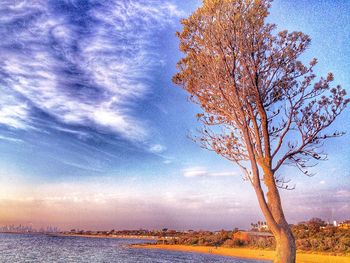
<point x="247" y="253"/>
<point x="109" y="236"/>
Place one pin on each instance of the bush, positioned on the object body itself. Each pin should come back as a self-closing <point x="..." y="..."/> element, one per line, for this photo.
<point x="229" y="243"/>
<point x="327" y="239"/>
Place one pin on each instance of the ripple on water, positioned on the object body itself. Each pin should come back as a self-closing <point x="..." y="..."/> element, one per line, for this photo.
<point x="48" y="249"/>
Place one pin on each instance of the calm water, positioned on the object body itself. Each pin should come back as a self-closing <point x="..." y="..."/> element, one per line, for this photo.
<point x="41" y="249"/>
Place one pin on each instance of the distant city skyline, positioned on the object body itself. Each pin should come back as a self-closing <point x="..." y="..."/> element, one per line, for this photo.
<point x="93" y="134"/>
<point x="28" y="229"/>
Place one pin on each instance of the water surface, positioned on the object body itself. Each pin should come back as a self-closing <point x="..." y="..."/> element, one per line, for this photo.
<point x="44" y="249"/>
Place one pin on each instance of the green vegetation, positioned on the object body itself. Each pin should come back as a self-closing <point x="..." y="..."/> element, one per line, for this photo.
<point x="311" y="236"/>
<point x="221" y="238"/>
<point x="315" y="235"/>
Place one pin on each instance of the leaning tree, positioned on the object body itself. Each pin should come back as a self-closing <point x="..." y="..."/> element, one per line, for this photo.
<point x="262" y="107"/>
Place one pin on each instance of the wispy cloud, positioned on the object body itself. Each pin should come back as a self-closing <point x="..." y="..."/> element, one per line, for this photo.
<point x="327" y="204"/>
<point x="203" y="172"/>
<point x="82" y="63"/>
<point x="13" y="113"/>
<point x="343" y="194"/>
<point x="167" y="161"/>
<point x="10" y="139"/>
<point x="80" y="134"/>
<point x="123" y="205"/>
<point x="157" y="148"/>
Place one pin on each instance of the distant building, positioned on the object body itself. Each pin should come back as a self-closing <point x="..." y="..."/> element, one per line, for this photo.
<point x="344" y="225"/>
<point x="264" y="227"/>
<point x="260" y="226"/>
<point x="26" y="229"/>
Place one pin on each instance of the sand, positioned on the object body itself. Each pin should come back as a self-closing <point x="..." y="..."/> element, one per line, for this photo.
<point x="250" y="253"/>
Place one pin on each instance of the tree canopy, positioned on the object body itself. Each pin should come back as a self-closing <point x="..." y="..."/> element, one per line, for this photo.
<point x="263" y="107"/>
<point x="251" y="83"/>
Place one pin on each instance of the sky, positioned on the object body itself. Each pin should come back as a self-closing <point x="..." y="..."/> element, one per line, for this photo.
<point x="94" y="135"/>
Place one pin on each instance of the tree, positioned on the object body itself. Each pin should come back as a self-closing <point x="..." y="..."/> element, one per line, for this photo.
<point x="262" y="107"/>
<point x="315" y="224"/>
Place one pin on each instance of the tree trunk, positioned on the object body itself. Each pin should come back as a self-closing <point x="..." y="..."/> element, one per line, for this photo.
<point x="285" y="246"/>
<point x="285" y="242"/>
<point x="273" y="212"/>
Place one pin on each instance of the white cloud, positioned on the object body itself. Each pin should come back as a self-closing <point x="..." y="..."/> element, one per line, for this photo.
<point x="157" y="148"/>
<point x="80" y="134"/>
<point x="12" y="113"/>
<point x="343" y="194"/>
<point x="203" y="172"/>
<point x="167" y="161"/>
<point x="195" y="172"/>
<point x="10" y="139"/>
<point x="82" y="200"/>
<point x="92" y="75"/>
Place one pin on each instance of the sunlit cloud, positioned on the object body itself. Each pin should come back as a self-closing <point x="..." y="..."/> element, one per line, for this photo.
<point x="87" y="65"/>
<point x="203" y="172"/>
<point x="130" y="203"/>
<point x="343" y="194"/>
<point x="117" y="205"/>
<point x="327" y="204"/>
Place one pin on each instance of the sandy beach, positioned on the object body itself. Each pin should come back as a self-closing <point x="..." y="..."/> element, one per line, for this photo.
<point x="250" y="253"/>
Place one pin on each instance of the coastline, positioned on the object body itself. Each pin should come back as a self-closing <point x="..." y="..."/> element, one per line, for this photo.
<point x="108" y="236"/>
<point x="247" y="253"/>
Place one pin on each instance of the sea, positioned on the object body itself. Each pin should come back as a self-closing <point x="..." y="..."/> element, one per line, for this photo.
<point x="43" y="248"/>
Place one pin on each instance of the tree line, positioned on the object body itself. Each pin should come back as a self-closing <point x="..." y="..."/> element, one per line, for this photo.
<point x="311" y="236"/>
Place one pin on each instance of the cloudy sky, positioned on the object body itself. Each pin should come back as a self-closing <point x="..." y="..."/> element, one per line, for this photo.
<point x="93" y="134"/>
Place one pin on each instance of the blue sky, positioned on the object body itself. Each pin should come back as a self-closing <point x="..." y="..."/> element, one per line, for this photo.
<point x="93" y="134"/>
